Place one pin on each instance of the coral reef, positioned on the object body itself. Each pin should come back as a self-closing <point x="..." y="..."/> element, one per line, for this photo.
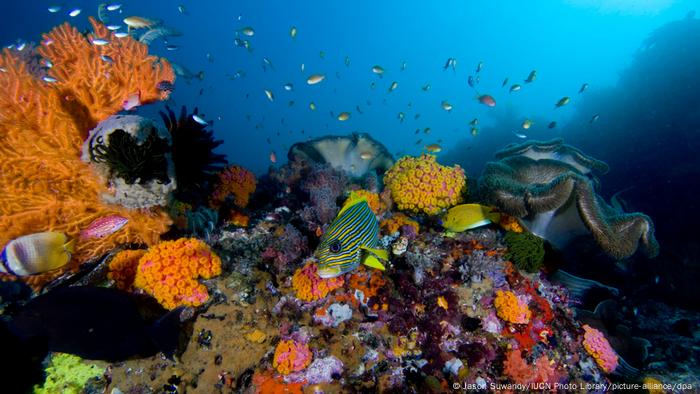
<point x="196" y="164"/>
<point x="525" y="250"/>
<point x="421" y="185"/>
<point x="42" y="127"/>
<point x="289" y="246"/>
<point x="122" y="268"/>
<point x="551" y="188"/>
<point x="310" y="287"/>
<point x="599" y="348"/>
<point x="236" y="184"/>
<point x="356" y="155"/>
<point x="511" y="308"/>
<point x="291" y="356"/>
<point x="68" y="374"/>
<point x="132" y="154"/>
<point x="169" y="272"/>
<point x="325" y="185"/>
<point x="399" y="222"/>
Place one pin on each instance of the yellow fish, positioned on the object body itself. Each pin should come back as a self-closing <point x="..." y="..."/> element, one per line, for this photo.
<point x="316" y="78"/>
<point x="36" y="253"/>
<point x="344" y="116"/>
<point x="468" y="216"/>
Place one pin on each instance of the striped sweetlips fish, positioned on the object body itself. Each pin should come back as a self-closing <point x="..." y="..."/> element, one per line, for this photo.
<point x="352" y="238"/>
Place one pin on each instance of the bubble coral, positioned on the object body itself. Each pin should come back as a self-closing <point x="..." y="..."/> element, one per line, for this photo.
<point x="420" y="184"/>
<point x="235" y="182"/>
<point x="122" y="268"/>
<point x="291" y="356"/>
<point x="168" y="272"/>
<point x="510" y="308"/>
<point x="42" y="127"/>
<point x="598" y="347"/>
<point x="310" y="287"/>
<point x="397" y="222"/>
<point x="525" y="250"/>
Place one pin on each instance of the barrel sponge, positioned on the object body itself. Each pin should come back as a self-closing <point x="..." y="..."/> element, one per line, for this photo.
<point x="553" y="193"/>
<point x="421" y="185"/>
<point x="169" y="272"/>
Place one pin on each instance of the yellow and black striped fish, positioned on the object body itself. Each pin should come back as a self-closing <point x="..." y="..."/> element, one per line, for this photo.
<point x="351" y="238"/>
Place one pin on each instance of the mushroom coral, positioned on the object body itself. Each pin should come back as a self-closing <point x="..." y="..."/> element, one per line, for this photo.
<point x="356" y="154"/>
<point x="551" y="187"/>
<point x="42" y="127"/>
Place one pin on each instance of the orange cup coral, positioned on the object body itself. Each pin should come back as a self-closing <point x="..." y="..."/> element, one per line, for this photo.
<point x="291" y="356"/>
<point x="598" y="347"/>
<point x="122" y="268"/>
<point x="310" y="287"/>
<point x="168" y="272"/>
<point x="42" y="127"/>
<point x="394" y="223"/>
<point x="510" y="308"/>
<point x="420" y="184"/>
<point x="234" y="181"/>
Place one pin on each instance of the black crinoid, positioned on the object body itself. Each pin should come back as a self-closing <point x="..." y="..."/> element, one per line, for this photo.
<point x="196" y="164"/>
<point x="131" y="161"/>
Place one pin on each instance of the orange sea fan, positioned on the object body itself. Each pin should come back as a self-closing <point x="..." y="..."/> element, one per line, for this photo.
<point x="46" y="187"/>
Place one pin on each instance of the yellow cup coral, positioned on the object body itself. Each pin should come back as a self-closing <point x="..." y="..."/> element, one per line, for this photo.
<point x="420" y="184"/>
<point x="394" y="224"/>
<point x="291" y="356"/>
<point x="310" y="287"/>
<point x="168" y="272"/>
<point x="122" y="268"/>
<point x="236" y="182"/>
<point x="510" y="308"/>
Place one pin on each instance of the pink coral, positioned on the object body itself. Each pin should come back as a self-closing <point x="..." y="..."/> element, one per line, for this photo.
<point x="519" y="371"/>
<point x="310" y="287"/>
<point x="291" y="356"/>
<point x="598" y="347"/>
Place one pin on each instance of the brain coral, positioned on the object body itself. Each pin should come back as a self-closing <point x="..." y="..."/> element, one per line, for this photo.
<point x="420" y="184"/>
<point x="168" y="272"/>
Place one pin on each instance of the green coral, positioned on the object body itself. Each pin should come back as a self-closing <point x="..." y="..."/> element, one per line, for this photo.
<point x="67" y="374"/>
<point x="525" y="250"/>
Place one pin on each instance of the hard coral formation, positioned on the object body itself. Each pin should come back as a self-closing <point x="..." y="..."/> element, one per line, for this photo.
<point x="511" y="308"/>
<point x="525" y="250"/>
<point x="311" y="287"/>
<point x="421" y="185"/>
<point x="235" y="184"/>
<point x="598" y="347"/>
<point x="291" y="356"/>
<point x="132" y="154"/>
<point x="169" y="272"/>
<point x="42" y="127"/>
<point x="356" y="155"/>
<point x="551" y="188"/>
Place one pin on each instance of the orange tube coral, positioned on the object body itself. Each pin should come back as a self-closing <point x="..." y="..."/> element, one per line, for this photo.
<point x="42" y="125"/>
<point x="169" y="272"/>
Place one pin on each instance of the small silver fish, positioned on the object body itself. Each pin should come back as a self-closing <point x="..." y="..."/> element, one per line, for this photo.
<point x="114" y="7"/>
<point x="99" y="41"/>
<point x="106" y="59"/>
<point x="75" y="12"/>
<point x="54" y="9"/>
<point x="200" y="120"/>
<point x="121" y="34"/>
<point x="104" y="226"/>
<point x="49" y="79"/>
<point x="113" y="27"/>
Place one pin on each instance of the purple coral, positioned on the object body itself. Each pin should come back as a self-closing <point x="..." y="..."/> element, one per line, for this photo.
<point x="324" y="370"/>
<point x="324" y="185"/>
<point x="287" y="248"/>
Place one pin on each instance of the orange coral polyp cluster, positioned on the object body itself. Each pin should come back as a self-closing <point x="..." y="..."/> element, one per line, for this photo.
<point x="169" y="272"/>
<point x="45" y="186"/>
<point x="369" y="282"/>
<point x="291" y="356"/>
<point x="510" y="223"/>
<point x="311" y="287"/>
<point x="372" y="200"/>
<point x="598" y="347"/>
<point x="234" y="181"/>
<point x="122" y="268"/>
<point x="394" y="223"/>
<point x="420" y="184"/>
<point x="510" y="308"/>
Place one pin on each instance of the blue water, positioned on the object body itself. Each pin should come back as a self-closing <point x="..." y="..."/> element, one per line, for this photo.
<point x="567" y="42"/>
